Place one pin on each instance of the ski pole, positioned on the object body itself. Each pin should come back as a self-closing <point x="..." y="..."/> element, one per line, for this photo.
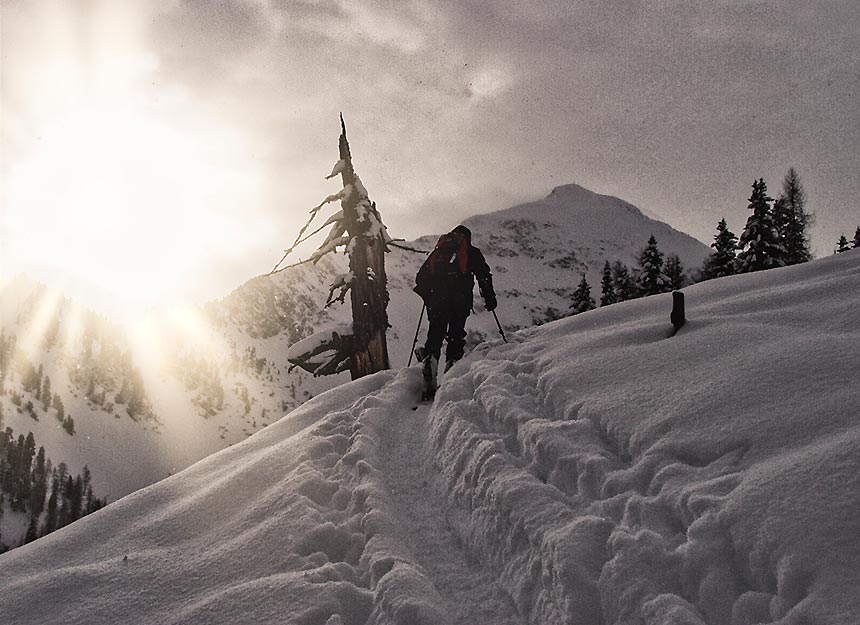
<point x="417" y="330"/>
<point x="502" y="332"/>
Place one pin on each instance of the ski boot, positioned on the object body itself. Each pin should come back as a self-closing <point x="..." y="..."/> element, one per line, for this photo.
<point x="431" y="367"/>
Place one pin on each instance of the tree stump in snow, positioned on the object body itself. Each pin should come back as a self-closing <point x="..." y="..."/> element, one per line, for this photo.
<point x="678" y="318"/>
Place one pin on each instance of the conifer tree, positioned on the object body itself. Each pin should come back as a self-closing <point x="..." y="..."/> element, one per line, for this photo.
<point x="59" y="407"/>
<point x="652" y="280"/>
<point x="723" y="260"/>
<point x="623" y="284"/>
<point x="40" y="484"/>
<point x="607" y="288"/>
<point x="792" y="220"/>
<point x="37" y="385"/>
<point x="582" y="300"/>
<point x="32" y="530"/>
<point x="76" y="493"/>
<point x="51" y="514"/>
<point x="675" y="273"/>
<point x="46" y="394"/>
<point x="759" y="242"/>
<point x="842" y="244"/>
<point x="856" y="242"/>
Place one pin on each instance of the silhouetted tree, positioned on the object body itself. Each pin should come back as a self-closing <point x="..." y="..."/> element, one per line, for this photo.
<point x="607" y="288"/>
<point x="675" y="277"/>
<point x="32" y="530"/>
<point x="582" y="300"/>
<point x="842" y="244"/>
<point x="652" y="280"/>
<point x="723" y="260"/>
<point x="759" y="242"/>
<point x="39" y="480"/>
<point x="856" y="242"/>
<point x="59" y="407"/>
<point x="51" y="513"/>
<point x="792" y="221"/>
<point x="37" y="386"/>
<point x="623" y="284"/>
<point x="46" y="393"/>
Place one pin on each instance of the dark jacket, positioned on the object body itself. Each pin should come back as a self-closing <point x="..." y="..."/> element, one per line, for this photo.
<point x="432" y="291"/>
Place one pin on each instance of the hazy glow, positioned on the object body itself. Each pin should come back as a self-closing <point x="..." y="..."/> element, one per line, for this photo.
<point x="36" y="326"/>
<point x="152" y="337"/>
<point x="129" y="190"/>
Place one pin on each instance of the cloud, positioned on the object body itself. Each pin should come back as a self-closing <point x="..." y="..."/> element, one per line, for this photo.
<point x="673" y="105"/>
<point x="489" y="83"/>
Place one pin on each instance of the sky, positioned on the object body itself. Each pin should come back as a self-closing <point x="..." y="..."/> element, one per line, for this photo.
<point x="157" y="152"/>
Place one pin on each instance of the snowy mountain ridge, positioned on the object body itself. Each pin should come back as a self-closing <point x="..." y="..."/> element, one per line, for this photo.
<point x="593" y="470"/>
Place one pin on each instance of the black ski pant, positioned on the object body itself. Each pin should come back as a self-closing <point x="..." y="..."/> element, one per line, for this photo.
<point x="447" y="317"/>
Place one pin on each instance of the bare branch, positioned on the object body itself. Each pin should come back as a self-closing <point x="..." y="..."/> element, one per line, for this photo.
<point x="393" y="243"/>
<point x="301" y="262"/>
<point x="316" y="209"/>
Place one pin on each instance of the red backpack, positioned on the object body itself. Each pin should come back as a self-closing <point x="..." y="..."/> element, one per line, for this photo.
<point x="450" y="257"/>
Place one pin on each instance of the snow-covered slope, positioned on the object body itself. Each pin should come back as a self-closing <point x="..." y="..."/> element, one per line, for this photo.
<point x="219" y="382"/>
<point x="89" y="361"/>
<point x="591" y="471"/>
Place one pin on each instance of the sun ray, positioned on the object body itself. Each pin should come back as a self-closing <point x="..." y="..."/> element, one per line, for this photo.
<point x="33" y="329"/>
<point x="72" y="327"/>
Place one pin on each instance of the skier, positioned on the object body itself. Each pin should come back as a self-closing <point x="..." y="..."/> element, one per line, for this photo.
<point x="445" y="282"/>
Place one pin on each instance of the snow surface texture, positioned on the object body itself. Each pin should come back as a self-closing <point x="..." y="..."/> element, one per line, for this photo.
<point x="592" y="471"/>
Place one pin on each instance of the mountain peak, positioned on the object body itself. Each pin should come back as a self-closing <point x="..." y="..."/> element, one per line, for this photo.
<point x="568" y="190"/>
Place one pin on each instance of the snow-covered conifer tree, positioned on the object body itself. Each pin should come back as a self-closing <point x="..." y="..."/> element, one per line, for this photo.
<point x="675" y="277"/>
<point x="582" y="300"/>
<point x="623" y="284"/>
<point x="723" y="260"/>
<point x="607" y="288"/>
<point x="651" y="280"/>
<point x="759" y="243"/>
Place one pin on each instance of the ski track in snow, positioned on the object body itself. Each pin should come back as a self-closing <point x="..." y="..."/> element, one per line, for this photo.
<point x="580" y="480"/>
<point x="467" y="587"/>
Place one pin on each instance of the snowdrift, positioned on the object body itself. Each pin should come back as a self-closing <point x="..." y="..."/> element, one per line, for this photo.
<point x="592" y="471"/>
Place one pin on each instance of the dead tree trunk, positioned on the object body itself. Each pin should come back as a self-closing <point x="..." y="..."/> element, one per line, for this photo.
<point x="369" y="293"/>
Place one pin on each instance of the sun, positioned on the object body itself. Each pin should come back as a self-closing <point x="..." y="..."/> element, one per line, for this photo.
<point x="119" y="188"/>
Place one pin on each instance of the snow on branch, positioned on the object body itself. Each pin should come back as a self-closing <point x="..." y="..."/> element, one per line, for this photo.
<point x="337" y="170"/>
<point x="323" y="353"/>
<point x="330" y="245"/>
<point x="341" y="283"/>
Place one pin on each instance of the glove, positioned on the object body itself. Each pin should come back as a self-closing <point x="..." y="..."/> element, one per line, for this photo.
<point x="490" y="302"/>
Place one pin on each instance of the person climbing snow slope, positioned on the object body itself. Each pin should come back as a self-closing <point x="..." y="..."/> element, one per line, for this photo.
<point x="446" y="282"/>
